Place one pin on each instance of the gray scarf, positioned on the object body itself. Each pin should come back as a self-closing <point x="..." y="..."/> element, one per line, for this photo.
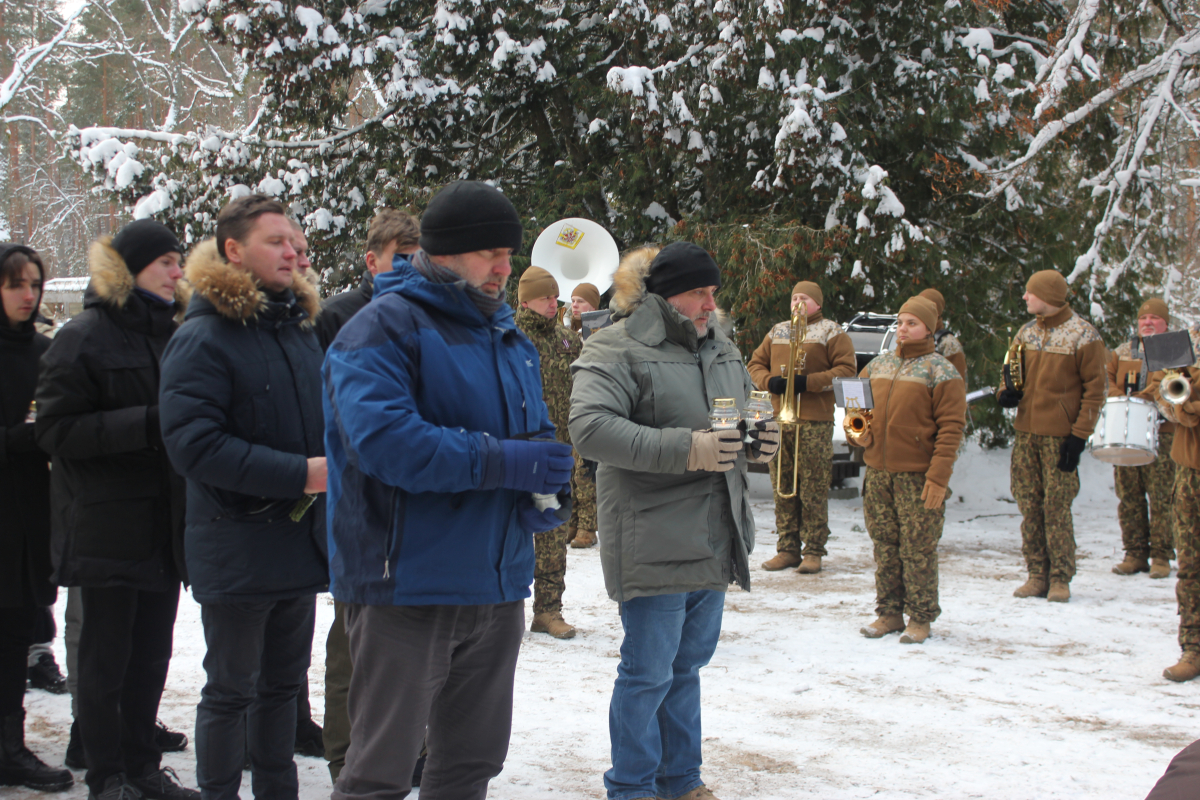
<point x="436" y="273"/>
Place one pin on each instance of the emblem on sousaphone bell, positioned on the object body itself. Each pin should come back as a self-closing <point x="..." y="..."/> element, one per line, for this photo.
<point x="569" y="237"/>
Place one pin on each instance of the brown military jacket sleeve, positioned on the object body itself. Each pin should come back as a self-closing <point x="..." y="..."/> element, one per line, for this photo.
<point x="1090" y="361"/>
<point x="841" y="356"/>
<point x="959" y="360"/>
<point x="760" y="364"/>
<point x="950" y="416"/>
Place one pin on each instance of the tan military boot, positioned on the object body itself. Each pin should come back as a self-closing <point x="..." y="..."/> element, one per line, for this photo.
<point x="553" y="624"/>
<point x="1160" y="568"/>
<point x="811" y="565"/>
<point x="915" y="633"/>
<point x="884" y="625"/>
<point x="699" y="793"/>
<point x="1187" y="668"/>
<point x="1131" y="566"/>
<point x="781" y="561"/>
<point x="572" y="532"/>
<point x="584" y="539"/>
<point x="1060" y="591"/>
<point x="1034" y="587"/>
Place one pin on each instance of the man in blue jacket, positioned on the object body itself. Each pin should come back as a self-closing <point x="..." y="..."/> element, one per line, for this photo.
<point x="240" y="404"/>
<point x="433" y="409"/>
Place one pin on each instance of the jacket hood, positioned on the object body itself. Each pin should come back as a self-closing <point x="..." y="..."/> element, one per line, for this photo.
<point x="112" y="282"/>
<point x="629" y="281"/>
<point x="449" y="298"/>
<point x="233" y="292"/>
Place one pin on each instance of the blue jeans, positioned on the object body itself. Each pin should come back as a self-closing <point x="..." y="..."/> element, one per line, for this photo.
<point x="654" y="716"/>
<point x="257" y="659"/>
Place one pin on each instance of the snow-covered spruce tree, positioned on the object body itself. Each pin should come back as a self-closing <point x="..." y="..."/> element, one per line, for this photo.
<point x="846" y="141"/>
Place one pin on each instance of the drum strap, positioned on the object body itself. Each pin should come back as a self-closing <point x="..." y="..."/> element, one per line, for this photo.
<point x="1135" y="345"/>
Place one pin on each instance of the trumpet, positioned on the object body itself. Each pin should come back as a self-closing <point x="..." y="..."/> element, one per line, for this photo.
<point x="857" y="425"/>
<point x="1014" y="367"/>
<point x="1175" y="387"/>
<point x="789" y="405"/>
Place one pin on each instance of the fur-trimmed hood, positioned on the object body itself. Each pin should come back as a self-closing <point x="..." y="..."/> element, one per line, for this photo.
<point x="233" y="292"/>
<point x="112" y="282"/>
<point x="629" y="281"/>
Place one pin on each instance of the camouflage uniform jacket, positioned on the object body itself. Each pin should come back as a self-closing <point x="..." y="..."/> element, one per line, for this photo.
<point x="1120" y="363"/>
<point x="1185" y="450"/>
<point x="828" y="354"/>
<point x="557" y="347"/>
<point x="951" y="348"/>
<point x="1065" y="381"/>
<point x="920" y="412"/>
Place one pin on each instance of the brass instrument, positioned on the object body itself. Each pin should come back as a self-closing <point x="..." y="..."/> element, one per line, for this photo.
<point x="1014" y="367"/>
<point x="1175" y="387"/>
<point x="789" y="404"/>
<point x="857" y="424"/>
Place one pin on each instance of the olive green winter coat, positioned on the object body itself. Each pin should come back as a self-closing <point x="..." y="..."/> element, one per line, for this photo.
<point x="641" y="387"/>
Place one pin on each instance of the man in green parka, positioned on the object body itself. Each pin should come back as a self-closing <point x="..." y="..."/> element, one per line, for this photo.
<point x="673" y="506"/>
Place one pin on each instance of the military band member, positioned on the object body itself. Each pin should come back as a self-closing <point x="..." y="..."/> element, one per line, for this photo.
<point x="557" y="347"/>
<point x="911" y="445"/>
<point x="584" y="298"/>
<point x="1185" y="452"/>
<point x="945" y="342"/>
<point x="1145" y="533"/>
<point x="582" y="531"/>
<point x="802" y="522"/>
<point x="1064" y="386"/>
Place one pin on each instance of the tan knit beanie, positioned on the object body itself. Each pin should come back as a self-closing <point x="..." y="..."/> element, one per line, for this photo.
<point x="1049" y="286"/>
<point x="1157" y="307"/>
<point x="936" y="297"/>
<point x="589" y="293"/>
<point x="811" y="289"/>
<point x="923" y="309"/>
<point x="536" y="282"/>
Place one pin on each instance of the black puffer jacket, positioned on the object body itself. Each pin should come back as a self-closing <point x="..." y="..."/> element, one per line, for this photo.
<point x="24" y="469"/>
<point x="241" y="416"/>
<point x="117" y="504"/>
<point x="336" y="311"/>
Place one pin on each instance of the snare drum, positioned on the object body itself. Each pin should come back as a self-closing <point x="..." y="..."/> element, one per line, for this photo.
<point x="1126" y="433"/>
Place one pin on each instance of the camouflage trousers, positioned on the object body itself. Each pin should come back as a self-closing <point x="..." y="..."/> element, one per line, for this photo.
<point x="802" y="522"/>
<point x="1187" y="540"/>
<point x="1044" y="494"/>
<point x="906" y="536"/>
<point x="1147" y="532"/>
<point x="583" y="498"/>
<point x="549" y="570"/>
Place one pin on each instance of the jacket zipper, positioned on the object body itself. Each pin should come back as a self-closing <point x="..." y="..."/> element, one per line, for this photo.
<point x="391" y="539"/>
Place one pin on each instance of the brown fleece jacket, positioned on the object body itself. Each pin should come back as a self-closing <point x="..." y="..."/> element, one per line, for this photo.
<point x="1120" y="363"/>
<point x="1185" y="449"/>
<point x="829" y="354"/>
<point x="920" y="412"/>
<point x="1065" y="381"/>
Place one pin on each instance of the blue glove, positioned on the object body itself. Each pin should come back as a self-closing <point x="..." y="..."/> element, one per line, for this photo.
<point x="533" y="520"/>
<point x="542" y="466"/>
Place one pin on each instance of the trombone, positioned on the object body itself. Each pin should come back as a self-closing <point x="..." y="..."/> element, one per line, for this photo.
<point x="789" y="405"/>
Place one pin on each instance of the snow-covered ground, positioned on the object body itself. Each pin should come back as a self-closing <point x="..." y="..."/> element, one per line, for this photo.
<point x="1008" y="699"/>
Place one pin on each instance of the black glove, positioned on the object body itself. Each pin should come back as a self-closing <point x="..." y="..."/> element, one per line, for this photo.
<point x="778" y="384"/>
<point x="1072" y="448"/>
<point x="588" y="470"/>
<point x="20" y="439"/>
<point x="1009" y="398"/>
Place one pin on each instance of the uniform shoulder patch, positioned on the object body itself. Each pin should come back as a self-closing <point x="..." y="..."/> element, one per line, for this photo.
<point x="949" y="345"/>
<point x="1124" y="351"/>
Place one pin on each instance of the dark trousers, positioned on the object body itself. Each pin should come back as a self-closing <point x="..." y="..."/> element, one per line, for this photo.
<point x="257" y="660"/>
<point x="336" y="728"/>
<point x="16" y="629"/>
<point x="449" y="666"/>
<point x="124" y="653"/>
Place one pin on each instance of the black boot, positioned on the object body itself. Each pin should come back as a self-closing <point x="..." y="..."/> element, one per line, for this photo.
<point x="75" y="758"/>
<point x="169" y="741"/>
<point x="116" y="787"/>
<point x="309" y="741"/>
<point x="20" y="767"/>
<point x="45" y="675"/>
<point x="163" y="784"/>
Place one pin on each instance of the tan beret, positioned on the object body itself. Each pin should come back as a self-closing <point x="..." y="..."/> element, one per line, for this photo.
<point x="1049" y="286"/>
<point x="923" y="309"/>
<point x="536" y="282"/>
<point x="811" y="289"/>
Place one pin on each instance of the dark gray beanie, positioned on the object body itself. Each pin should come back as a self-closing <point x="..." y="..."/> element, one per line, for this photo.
<point x="680" y="267"/>
<point x="140" y="243"/>
<point x="467" y="216"/>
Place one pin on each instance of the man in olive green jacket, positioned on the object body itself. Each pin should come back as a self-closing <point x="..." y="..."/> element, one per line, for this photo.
<point x="674" y="511"/>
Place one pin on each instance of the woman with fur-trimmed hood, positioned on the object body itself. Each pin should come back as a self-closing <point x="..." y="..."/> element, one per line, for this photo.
<point x="117" y="505"/>
<point x="673" y="506"/>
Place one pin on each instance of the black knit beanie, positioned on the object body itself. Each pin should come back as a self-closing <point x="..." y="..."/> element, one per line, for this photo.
<point x="140" y="243"/>
<point x="467" y="216"/>
<point x="680" y="267"/>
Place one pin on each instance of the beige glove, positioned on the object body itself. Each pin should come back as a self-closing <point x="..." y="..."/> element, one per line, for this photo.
<point x="714" y="451"/>
<point x="766" y="442"/>
<point x="933" y="495"/>
<point x="1187" y="415"/>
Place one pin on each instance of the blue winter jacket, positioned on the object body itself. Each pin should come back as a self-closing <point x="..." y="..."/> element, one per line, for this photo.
<point x="419" y="390"/>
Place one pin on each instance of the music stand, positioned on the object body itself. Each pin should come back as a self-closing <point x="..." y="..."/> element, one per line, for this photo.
<point x="1171" y="350"/>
